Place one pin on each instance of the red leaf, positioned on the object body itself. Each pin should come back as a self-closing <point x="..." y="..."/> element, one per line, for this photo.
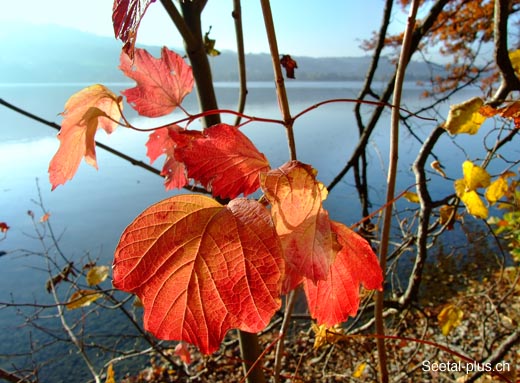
<point x="85" y="112"/>
<point x="224" y="161"/>
<point x="183" y="352"/>
<point x="301" y="222"/>
<point x="159" y="143"/>
<point x="4" y="227"/>
<point x="289" y="64"/>
<point x="126" y="17"/>
<point x="162" y="83"/>
<point x="331" y="301"/>
<point x="201" y="268"/>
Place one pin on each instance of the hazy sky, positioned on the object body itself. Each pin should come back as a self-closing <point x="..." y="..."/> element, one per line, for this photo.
<point x="304" y="27"/>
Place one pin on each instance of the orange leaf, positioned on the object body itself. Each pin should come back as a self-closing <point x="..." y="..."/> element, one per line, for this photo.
<point x="511" y="111"/>
<point x="201" y="268"/>
<point x="301" y="222"/>
<point x="222" y="159"/>
<point x="331" y="301"/>
<point x="45" y="217"/>
<point x="85" y="112"/>
<point x="162" y="83"/>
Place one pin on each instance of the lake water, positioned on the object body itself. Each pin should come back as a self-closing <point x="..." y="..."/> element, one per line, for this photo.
<point x="90" y="212"/>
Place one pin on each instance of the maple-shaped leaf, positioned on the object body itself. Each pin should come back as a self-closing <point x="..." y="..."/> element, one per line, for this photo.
<point x="161" y="142"/>
<point x="332" y="300"/>
<point x="289" y="64"/>
<point x="126" y="17"/>
<point x="474" y="177"/>
<point x="465" y="117"/>
<point x="85" y="112"/>
<point x="201" y="268"/>
<point x="162" y="83"/>
<point x="223" y="160"/>
<point x="301" y="221"/>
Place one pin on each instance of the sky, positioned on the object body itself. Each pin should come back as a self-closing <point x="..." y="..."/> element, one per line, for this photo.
<point x="304" y="27"/>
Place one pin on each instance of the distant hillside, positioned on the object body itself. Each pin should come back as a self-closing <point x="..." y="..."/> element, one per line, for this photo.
<point x="57" y="54"/>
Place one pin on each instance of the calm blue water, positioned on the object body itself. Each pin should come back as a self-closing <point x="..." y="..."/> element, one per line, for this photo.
<point x="90" y="212"/>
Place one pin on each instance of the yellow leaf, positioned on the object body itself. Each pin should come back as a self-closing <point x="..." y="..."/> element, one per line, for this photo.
<point x="465" y="117"/>
<point x="83" y="298"/>
<point x="411" y="196"/>
<point x="496" y="190"/>
<point x="471" y="200"/>
<point x="449" y="318"/>
<point x="475" y="176"/>
<point x="359" y="370"/>
<point x="110" y="375"/>
<point x="97" y="274"/>
<point x="324" y="334"/>
<point x="515" y="61"/>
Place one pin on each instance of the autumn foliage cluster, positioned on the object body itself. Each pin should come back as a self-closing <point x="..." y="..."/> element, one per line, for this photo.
<point x="200" y="267"/>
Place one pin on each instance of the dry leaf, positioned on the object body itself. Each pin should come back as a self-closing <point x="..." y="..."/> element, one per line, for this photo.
<point x="465" y="117"/>
<point x="449" y="318"/>
<point x="83" y="298"/>
<point x="97" y="274"/>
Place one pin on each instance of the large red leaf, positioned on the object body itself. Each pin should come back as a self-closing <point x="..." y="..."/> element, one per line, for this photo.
<point x="161" y="142"/>
<point x="162" y="83"/>
<point x="201" y="268"/>
<point x="126" y="17"/>
<point x="331" y="301"/>
<point x="301" y="222"/>
<point x="85" y="112"/>
<point x="224" y="161"/>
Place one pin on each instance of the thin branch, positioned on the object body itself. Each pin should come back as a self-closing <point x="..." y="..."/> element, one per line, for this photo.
<point x="280" y="85"/>
<point x="392" y="175"/>
<point x="237" y="16"/>
<point x="418" y="35"/>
